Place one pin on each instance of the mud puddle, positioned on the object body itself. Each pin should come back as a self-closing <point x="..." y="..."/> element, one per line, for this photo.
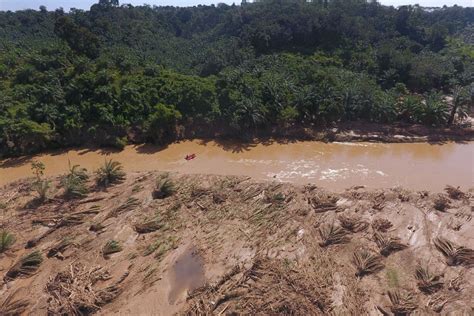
<point x="187" y="274"/>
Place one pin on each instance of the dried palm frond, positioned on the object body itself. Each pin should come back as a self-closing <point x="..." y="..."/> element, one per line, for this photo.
<point x="126" y="206"/>
<point x="441" y="203"/>
<point x="428" y="282"/>
<point x="381" y="224"/>
<point x="454" y="193"/>
<point x="388" y="244"/>
<point x="366" y="262"/>
<point x="6" y="240"/>
<point x="403" y="303"/>
<point x="437" y="301"/>
<point x="332" y="234"/>
<point x="25" y="267"/>
<point x="148" y="226"/>
<point x="353" y="224"/>
<point x="11" y="307"/>
<point x="164" y="188"/>
<point x="60" y="247"/>
<point x="111" y="247"/>
<point x="455" y="255"/>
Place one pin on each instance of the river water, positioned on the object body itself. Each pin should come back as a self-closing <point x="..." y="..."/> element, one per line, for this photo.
<point x="419" y="166"/>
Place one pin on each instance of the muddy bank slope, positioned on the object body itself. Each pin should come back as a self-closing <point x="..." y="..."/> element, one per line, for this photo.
<point x="225" y="245"/>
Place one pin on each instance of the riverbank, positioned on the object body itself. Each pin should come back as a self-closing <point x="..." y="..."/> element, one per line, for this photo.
<point x="224" y="244"/>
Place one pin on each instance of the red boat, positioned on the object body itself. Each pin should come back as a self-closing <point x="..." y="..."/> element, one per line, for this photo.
<point x="190" y="157"/>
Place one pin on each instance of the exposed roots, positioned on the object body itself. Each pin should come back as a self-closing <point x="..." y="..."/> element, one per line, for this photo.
<point x="25" y="267"/>
<point x="388" y="244"/>
<point x="455" y="255"/>
<point x="332" y="234"/>
<point x="353" y="224"/>
<point x="427" y="281"/>
<point x="73" y="292"/>
<point x="367" y="262"/>
<point x="403" y="302"/>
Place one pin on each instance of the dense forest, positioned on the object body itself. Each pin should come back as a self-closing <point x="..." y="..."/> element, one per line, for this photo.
<point x="119" y="73"/>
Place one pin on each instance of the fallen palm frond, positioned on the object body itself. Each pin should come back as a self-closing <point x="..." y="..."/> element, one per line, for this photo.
<point x="59" y="248"/>
<point x="111" y="247"/>
<point x="441" y="203"/>
<point x="148" y="226"/>
<point x="126" y="206"/>
<point x="353" y="224"/>
<point x="164" y="188"/>
<point x="381" y="224"/>
<point x="427" y="281"/>
<point x="25" y="267"/>
<point x="388" y="244"/>
<point x="110" y="173"/>
<point x="332" y="234"/>
<point x="437" y="301"/>
<point x="267" y="287"/>
<point x="6" y="240"/>
<point x="323" y="203"/>
<point x="454" y="193"/>
<point x="403" y="302"/>
<point x="74" y="292"/>
<point x="12" y="307"/>
<point x="455" y="255"/>
<point x="367" y="262"/>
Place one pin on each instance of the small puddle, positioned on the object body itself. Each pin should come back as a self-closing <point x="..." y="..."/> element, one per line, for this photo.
<point x="187" y="274"/>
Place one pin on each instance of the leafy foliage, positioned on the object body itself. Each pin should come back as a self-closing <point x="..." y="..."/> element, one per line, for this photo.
<point x="428" y="282"/>
<point x="111" y="247"/>
<point x="40" y="185"/>
<point x="403" y="302"/>
<point x="366" y="262"/>
<point x="110" y="173"/>
<point x="455" y="255"/>
<point x="388" y="244"/>
<point x="332" y="234"/>
<point x="6" y="240"/>
<point x="115" y="73"/>
<point x="26" y="266"/>
<point x="75" y="182"/>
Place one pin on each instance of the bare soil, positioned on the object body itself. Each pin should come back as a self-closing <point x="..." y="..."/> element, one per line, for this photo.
<point x="222" y="245"/>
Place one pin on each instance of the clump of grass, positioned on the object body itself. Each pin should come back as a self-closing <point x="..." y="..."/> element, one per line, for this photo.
<point x="332" y="234"/>
<point x="128" y="205"/>
<point x="111" y="247"/>
<point x="164" y="188"/>
<point x="392" y="277"/>
<point x="388" y="244"/>
<point x="40" y="185"/>
<point x="427" y="281"/>
<point x="75" y="181"/>
<point x="367" y="262"/>
<point x="455" y="255"/>
<point x="6" y="240"/>
<point x="454" y="193"/>
<point x="381" y="224"/>
<point x="441" y="203"/>
<point x="160" y="247"/>
<point x="353" y="224"/>
<point x="403" y="303"/>
<point x="26" y="266"/>
<point x="110" y="173"/>
<point x="12" y="307"/>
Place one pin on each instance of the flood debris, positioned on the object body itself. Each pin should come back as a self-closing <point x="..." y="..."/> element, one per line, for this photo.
<point x="74" y="291"/>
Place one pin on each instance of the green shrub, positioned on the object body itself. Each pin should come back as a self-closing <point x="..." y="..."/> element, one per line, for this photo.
<point x="111" y="172"/>
<point x="6" y="240"/>
<point x="74" y="182"/>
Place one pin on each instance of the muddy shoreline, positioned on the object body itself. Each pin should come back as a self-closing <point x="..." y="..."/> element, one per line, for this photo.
<point x="251" y="247"/>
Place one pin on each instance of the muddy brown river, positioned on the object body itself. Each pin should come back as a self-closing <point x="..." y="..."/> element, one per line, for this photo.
<point x="418" y="166"/>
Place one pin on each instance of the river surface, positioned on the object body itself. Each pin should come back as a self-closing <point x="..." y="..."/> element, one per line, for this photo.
<point x="419" y="166"/>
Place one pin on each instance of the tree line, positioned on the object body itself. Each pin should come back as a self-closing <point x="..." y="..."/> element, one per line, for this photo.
<point x="115" y="74"/>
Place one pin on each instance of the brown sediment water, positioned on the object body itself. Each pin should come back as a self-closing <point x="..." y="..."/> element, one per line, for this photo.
<point x="187" y="274"/>
<point x="419" y="166"/>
